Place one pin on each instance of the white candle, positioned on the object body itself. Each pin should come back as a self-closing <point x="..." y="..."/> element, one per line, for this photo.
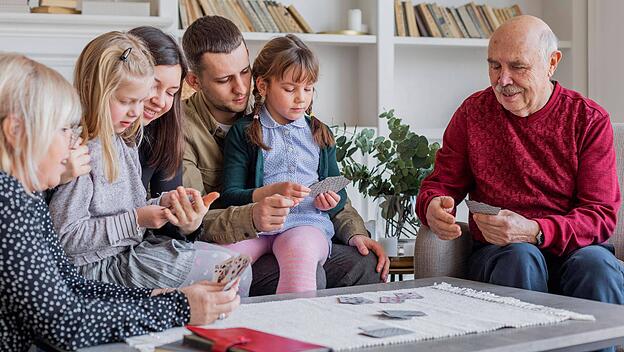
<point x="355" y="20"/>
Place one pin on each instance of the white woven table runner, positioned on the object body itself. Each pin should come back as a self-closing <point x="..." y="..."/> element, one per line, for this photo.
<point x="451" y="311"/>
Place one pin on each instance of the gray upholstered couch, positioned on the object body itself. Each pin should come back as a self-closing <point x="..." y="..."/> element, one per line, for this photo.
<point x="434" y="257"/>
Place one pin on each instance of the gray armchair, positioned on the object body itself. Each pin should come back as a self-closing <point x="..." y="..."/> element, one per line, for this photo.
<point x="434" y="257"/>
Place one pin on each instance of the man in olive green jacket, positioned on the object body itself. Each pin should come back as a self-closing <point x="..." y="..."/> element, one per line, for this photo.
<point x="221" y="76"/>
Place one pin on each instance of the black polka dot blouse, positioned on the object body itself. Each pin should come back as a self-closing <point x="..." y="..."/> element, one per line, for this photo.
<point x="42" y="297"/>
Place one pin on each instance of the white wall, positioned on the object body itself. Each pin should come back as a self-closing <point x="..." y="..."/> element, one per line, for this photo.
<point x="606" y="50"/>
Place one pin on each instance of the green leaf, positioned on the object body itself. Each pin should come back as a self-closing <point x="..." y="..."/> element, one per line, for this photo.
<point x="341" y="140"/>
<point x="340" y="154"/>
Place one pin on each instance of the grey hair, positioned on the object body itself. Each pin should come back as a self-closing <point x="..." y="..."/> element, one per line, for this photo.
<point x="44" y="101"/>
<point x="549" y="43"/>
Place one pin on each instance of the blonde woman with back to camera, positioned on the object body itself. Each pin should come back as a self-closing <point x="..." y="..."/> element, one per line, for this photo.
<point x="44" y="299"/>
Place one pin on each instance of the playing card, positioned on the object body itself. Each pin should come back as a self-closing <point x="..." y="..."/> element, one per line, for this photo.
<point x="402" y="314"/>
<point x="481" y="208"/>
<point x="354" y="300"/>
<point x="391" y="299"/>
<point x="333" y="183"/>
<point x="385" y="332"/>
<point x="231" y="269"/>
<point x="408" y="295"/>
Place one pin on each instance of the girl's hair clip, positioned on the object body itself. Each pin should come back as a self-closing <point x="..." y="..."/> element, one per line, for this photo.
<point x="256" y="116"/>
<point x="125" y="54"/>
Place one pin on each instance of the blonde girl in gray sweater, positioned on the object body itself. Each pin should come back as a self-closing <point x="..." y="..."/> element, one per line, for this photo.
<point x="103" y="218"/>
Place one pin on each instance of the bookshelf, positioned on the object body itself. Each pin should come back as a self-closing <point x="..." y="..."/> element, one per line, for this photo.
<point x="330" y="39"/>
<point x="423" y="79"/>
<point x="455" y="42"/>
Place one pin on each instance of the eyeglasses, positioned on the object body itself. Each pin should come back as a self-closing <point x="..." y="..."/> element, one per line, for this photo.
<point x="76" y="132"/>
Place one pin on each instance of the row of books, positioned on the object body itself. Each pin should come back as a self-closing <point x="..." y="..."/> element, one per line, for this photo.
<point x="248" y="15"/>
<point x="467" y="21"/>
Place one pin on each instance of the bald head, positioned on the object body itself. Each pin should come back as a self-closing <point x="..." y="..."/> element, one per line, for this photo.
<point x="522" y="58"/>
<point x="527" y="33"/>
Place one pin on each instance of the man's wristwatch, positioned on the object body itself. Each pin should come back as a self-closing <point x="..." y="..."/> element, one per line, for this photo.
<point x="539" y="238"/>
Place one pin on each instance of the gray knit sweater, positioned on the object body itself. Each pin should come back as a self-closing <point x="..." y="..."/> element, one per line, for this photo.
<point x="96" y="219"/>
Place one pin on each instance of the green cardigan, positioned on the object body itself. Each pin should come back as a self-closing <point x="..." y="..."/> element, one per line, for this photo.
<point x="243" y="169"/>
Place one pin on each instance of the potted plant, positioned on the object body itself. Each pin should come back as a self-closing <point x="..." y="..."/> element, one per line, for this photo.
<point x="403" y="160"/>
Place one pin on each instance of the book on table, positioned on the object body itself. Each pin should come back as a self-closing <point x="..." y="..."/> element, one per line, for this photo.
<point x="238" y="340"/>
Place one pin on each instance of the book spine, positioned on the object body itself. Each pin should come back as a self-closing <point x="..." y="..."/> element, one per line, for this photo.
<point x="268" y="17"/>
<point x="276" y="20"/>
<point x="488" y="25"/>
<point x="252" y="8"/>
<point x="430" y="23"/>
<point x="437" y="15"/>
<point x="184" y="21"/>
<point x="458" y="22"/>
<point x="455" y="33"/>
<point x="420" y="22"/>
<point x="236" y="6"/>
<point x="398" y="18"/>
<point x="411" y="18"/>
<point x="471" y="27"/>
<point x="475" y="20"/>
<point x="300" y="20"/>
<point x="290" y="20"/>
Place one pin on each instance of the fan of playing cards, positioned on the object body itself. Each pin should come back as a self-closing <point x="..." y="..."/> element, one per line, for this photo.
<point x="230" y="270"/>
<point x="481" y="208"/>
<point x="332" y="183"/>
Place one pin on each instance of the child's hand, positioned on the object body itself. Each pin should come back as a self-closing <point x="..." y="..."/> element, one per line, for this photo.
<point x="77" y="164"/>
<point x="326" y="201"/>
<point x="152" y="216"/>
<point x="292" y="190"/>
<point x="187" y="208"/>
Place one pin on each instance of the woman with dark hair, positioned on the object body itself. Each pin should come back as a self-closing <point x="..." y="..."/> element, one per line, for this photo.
<point x="162" y="115"/>
<point x="162" y="148"/>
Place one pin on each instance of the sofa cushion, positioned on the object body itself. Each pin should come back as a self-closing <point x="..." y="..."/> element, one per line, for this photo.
<point x="618" y="236"/>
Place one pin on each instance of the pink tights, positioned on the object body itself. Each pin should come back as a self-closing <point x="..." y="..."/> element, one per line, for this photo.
<point x="298" y="251"/>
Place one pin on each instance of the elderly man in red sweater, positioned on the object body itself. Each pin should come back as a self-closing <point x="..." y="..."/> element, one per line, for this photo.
<point x="545" y="155"/>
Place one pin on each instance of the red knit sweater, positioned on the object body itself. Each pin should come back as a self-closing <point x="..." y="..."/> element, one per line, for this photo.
<point x="556" y="166"/>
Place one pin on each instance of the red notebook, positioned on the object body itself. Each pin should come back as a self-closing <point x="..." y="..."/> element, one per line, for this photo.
<point x="243" y="339"/>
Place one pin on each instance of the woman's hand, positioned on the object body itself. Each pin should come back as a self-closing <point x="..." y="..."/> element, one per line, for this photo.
<point x="207" y="301"/>
<point x="152" y="216"/>
<point x="186" y="208"/>
<point x="77" y="164"/>
<point x="326" y="201"/>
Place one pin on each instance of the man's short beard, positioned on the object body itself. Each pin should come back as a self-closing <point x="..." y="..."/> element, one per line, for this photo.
<point x="226" y="109"/>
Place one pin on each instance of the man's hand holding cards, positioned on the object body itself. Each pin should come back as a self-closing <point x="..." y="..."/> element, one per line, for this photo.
<point x="481" y="208"/>
<point x="230" y="270"/>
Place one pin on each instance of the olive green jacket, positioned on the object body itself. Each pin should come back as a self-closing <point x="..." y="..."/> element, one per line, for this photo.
<point x="203" y="170"/>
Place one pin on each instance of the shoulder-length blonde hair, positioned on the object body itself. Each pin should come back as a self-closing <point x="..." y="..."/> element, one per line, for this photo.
<point x="44" y="101"/>
<point x="100" y="70"/>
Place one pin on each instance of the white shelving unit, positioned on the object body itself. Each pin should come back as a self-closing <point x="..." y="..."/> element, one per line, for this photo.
<point x="423" y="79"/>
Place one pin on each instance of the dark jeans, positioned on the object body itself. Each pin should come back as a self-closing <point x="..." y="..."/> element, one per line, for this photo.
<point x="345" y="267"/>
<point x="592" y="272"/>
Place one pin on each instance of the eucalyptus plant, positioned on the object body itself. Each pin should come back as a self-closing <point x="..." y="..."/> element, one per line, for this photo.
<point x="403" y="160"/>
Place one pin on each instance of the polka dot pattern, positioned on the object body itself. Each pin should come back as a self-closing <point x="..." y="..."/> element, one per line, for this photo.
<point x="42" y="297"/>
